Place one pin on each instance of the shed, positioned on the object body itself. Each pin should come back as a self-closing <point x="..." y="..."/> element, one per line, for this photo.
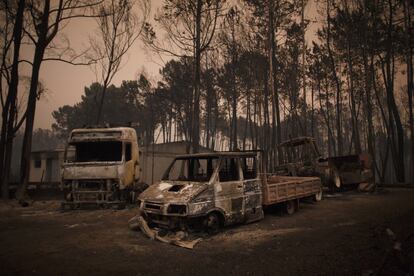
<point x="45" y="167"/>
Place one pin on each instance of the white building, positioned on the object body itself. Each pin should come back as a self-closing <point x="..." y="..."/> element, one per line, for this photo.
<point x="45" y="167"/>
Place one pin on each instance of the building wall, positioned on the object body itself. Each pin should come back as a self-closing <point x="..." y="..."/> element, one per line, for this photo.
<point x="37" y="173"/>
<point x="154" y="166"/>
<point x="49" y="170"/>
<point x="155" y="159"/>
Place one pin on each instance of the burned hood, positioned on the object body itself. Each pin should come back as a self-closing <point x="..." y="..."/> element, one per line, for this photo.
<point x="173" y="191"/>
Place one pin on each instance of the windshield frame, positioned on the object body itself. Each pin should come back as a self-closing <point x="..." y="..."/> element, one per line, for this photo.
<point x="73" y="144"/>
<point x="216" y="166"/>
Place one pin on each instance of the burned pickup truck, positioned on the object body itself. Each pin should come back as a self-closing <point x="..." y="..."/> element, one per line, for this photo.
<point x="101" y="167"/>
<point x="301" y="157"/>
<point x="217" y="189"/>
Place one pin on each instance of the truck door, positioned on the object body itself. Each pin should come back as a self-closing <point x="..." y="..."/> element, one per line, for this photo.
<point x="129" y="164"/>
<point x="229" y="189"/>
<point x="251" y="187"/>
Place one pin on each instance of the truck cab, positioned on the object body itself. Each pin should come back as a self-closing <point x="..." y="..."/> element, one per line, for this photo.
<point x="215" y="189"/>
<point x="100" y="166"/>
<point x="301" y="157"/>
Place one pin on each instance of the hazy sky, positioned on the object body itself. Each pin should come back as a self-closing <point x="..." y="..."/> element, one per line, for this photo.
<point x="65" y="83"/>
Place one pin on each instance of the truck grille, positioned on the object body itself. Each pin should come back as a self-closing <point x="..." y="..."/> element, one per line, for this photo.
<point x="92" y="185"/>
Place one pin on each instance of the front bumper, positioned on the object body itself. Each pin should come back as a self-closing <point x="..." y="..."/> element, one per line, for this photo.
<point x="166" y="215"/>
<point x="91" y="191"/>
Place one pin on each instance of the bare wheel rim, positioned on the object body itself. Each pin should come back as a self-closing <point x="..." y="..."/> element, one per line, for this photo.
<point x="318" y="195"/>
<point x="337" y="180"/>
<point x="212" y="223"/>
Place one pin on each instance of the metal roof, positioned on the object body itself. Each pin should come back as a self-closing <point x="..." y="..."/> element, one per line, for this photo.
<point x="125" y="133"/>
<point x="103" y="129"/>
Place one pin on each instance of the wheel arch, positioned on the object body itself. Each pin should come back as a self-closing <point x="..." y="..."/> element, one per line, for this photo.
<point x="220" y="213"/>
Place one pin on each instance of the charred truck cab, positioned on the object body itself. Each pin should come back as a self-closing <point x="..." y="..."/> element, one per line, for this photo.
<point x="301" y="157"/>
<point x="100" y="167"/>
<point x="215" y="189"/>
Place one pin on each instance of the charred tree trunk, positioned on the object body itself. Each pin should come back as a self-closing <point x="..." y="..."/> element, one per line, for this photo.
<point x="276" y="133"/>
<point x="43" y="40"/>
<point x="410" y="76"/>
<point x="312" y="111"/>
<point x="326" y="116"/>
<point x="304" y="107"/>
<point x="368" y="73"/>
<point x="354" y="118"/>
<point x="27" y="139"/>
<point x="7" y="134"/>
<point x="195" y="129"/>
<point x="394" y="116"/>
<point x="234" y="146"/>
<point x="339" y="141"/>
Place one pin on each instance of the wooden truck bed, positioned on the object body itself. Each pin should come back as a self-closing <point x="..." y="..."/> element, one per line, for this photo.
<point x="278" y="189"/>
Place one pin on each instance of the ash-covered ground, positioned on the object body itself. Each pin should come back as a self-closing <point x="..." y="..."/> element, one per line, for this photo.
<point x="345" y="234"/>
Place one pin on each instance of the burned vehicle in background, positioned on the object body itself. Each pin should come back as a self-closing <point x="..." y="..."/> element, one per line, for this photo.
<point x="218" y="189"/>
<point x="301" y="157"/>
<point x="101" y="167"/>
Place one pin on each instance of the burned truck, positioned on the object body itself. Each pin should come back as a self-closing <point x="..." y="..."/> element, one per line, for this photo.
<point x="217" y="189"/>
<point x="101" y="167"/>
<point x="301" y="157"/>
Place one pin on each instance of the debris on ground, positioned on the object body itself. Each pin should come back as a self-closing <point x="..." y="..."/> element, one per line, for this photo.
<point x="368" y="187"/>
<point x="71" y="225"/>
<point x="179" y="238"/>
<point x="24" y="203"/>
<point x="396" y="253"/>
<point x="333" y="195"/>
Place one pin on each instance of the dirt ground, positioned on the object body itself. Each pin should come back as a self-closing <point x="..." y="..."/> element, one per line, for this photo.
<point x="345" y="234"/>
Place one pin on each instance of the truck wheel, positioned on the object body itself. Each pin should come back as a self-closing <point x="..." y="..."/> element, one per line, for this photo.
<point x="318" y="196"/>
<point x="212" y="223"/>
<point x="290" y="207"/>
<point x="337" y="180"/>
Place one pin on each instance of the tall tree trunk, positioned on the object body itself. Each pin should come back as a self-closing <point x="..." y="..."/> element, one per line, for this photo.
<point x="101" y="101"/>
<point x="368" y="73"/>
<point x="234" y="121"/>
<point x="265" y="125"/>
<point x="195" y="135"/>
<point x="326" y="116"/>
<point x="304" y="107"/>
<point x="255" y="123"/>
<point x="234" y="89"/>
<point x="27" y="139"/>
<point x="354" y="117"/>
<point x="208" y="110"/>
<point x="43" y="41"/>
<point x="394" y="116"/>
<point x="272" y="88"/>
<point x="410" y="82"/>
<point x="339" y="141"/>
<point x="312" y="111"/>
<point x="7" y="137"/>
<point x="276" y="135"/>
<point x="208" y="119"/>
<point x="246" y="125"/>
